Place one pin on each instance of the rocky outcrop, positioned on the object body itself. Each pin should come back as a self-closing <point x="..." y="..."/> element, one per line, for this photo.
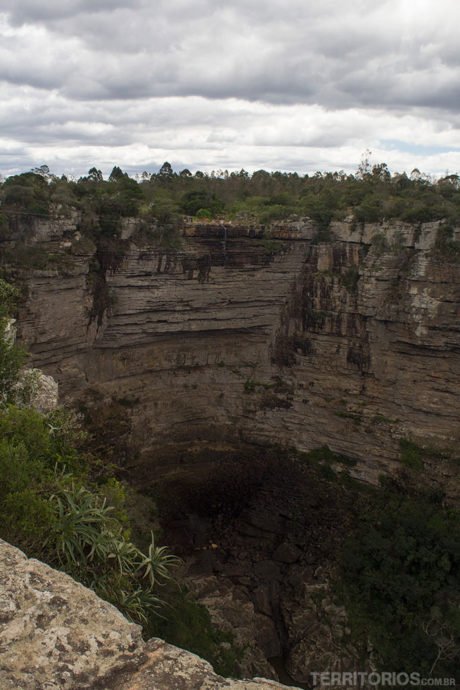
<point x="370" y="345"/>
<point x="350" y="341"/>
<point x="32" y="387"/>
<point x="36" y="390"/>
<point x="56" y="634"/>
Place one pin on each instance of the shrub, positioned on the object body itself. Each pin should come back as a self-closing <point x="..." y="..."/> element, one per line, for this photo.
<point x="50" y="508"/>
<point x="445" y="245"/>
<point x="88" y="541"/>
<point x="204" y="213"/>
<point x="8" y="298"/>
<point x="249" y="386"/>
<point x="188" y="625"/>
<point x="411" y="454"/>
<point x="401" y="572"/>
<point x="350" y="279"/>
<point x="11" y="357"/>
<point x="379" y="243"/>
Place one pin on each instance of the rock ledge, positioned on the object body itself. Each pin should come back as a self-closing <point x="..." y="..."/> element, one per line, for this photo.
<point x="58" y="635"/>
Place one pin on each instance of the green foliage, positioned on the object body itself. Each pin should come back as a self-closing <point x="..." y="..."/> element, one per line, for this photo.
<point x="372" y="195"/>
<point x="411" y="454"/>
<point x="27" y="477"/>
<point x="401" y="573"/>
<point x="4" y="227"/>
<point x="27" y="192"/>
<point x="272" y="246"/>
<point x="320" y="203"/>
<point x="63" y="196"/>
<point x="325" y="455"/>
<point x="321" y="454"/>
<point x="354" y="416"/>
<point x="274" y="212"/>
<point x="87" y="540"/>
<point x="30" y="256"/>
<point x="201" y="204"/>
<point x="12" y="357"/>
<point x="187" y="624"/>
<point x="249" y="386"/>
<point x="9" y="296"/>
<point x="382" y="419"/>
<point x="204" y="213"/>
<point x="379" y="243"/>
<point x="169" y="237"/>
<point x="51" y="508"/>
<point x="350" y="279"/>
<point x="369" y="210"/>
<point x="445" y="245"/>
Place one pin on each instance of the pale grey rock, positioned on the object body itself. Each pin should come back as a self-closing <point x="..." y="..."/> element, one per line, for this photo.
<point x="56" y="634"/>
<point x="32" y="388"/>
<point x="171" y="668"/>
<point x="37" y="390"/>
<point x="9" y="331"/>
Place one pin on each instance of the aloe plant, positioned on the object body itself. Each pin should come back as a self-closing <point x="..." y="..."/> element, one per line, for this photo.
<point x="88" y="542"/>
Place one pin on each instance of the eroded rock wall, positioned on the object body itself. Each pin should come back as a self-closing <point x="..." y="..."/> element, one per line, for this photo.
<point x="351" y="342"/>
<point x="371" y="346"/>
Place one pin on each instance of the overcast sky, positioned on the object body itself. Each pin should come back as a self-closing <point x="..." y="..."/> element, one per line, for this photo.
<point x="299" y="85"/>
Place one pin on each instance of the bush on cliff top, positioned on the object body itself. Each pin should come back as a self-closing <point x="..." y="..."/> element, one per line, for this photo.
<point x="50" y="508"/>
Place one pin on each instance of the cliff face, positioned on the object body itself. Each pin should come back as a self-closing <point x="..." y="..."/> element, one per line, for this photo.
<point x="351" y="342"/>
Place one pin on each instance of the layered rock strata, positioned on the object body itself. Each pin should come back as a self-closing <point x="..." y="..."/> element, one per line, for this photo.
<point x="278" y="335"/>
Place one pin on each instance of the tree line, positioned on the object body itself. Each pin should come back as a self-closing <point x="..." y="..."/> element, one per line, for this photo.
<point x="372" y="194"/>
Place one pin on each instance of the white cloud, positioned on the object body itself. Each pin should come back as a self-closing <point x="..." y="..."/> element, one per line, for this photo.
<point x="301" y="85"/>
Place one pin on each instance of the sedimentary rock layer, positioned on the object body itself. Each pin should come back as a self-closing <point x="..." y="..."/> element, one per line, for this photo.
<point x="244" y="333"/>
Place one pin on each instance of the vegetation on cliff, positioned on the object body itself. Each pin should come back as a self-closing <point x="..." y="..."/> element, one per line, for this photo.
<point x="396" y="568"/>
<point x="371" y="195"/>
<point x="11" y="357"/>
<point x="401" y="581"/>
<point x="60" y="505"/>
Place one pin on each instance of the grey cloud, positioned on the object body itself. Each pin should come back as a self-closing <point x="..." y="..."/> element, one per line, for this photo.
<point x="300" y="53"/>
<point x="235" y="81"/>
<point x="30" y="11"/>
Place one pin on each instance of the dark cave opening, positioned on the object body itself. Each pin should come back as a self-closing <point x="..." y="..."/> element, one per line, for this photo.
<point x="259" y="531"/>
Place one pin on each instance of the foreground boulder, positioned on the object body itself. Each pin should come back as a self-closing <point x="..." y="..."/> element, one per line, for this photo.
<point x="56" y="634"/>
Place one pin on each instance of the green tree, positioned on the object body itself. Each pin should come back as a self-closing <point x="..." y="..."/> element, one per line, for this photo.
<point x="401" y="570"/>
<point x="166" y="170"/>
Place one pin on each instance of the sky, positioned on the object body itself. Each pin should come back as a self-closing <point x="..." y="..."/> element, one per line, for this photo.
<point x="294" y="85"/>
